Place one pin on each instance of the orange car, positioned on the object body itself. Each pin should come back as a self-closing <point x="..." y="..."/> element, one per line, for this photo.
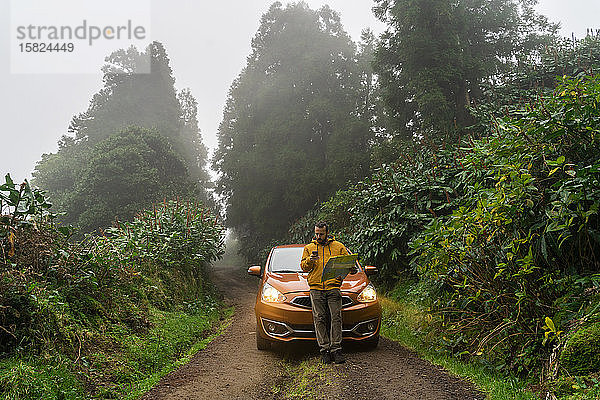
<point x="283" y="308"/>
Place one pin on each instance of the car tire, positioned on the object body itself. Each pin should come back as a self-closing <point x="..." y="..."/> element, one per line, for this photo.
<point x="262" y="343"/>
<point x="372" y="342"/>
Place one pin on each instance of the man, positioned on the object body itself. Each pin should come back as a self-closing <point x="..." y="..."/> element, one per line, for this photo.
<point x="325" y="297"/>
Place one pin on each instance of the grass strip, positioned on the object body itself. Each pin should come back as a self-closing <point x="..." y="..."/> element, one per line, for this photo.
<point x="402" y="322"/>
<point x="304" y="379"/>
<point x="124" y="365"/>
<point x="144" y="385"/>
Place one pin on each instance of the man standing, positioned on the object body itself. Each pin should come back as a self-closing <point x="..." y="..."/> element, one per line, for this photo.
<point x="325" y="297"/>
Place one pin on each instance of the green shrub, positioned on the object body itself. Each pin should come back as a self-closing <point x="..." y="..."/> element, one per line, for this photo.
<point x="67" y="308"/>
<point x="581" y="354"/>
<point x="502" y="230"/>
<point x="520" y="250"/>
<point x="29" y="379"/>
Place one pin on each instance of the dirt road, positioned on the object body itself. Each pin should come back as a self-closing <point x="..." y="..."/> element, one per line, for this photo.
<point x="232" y="368"/>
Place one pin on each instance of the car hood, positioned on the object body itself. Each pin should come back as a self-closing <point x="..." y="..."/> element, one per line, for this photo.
<point x="295" y="282"/>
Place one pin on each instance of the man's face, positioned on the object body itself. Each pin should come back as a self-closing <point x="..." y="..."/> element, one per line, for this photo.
<point x="321" y="235"/>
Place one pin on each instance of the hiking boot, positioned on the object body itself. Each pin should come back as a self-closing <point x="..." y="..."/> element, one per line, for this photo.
<point x="326" y="357"/>
<point x="338" y="357"/>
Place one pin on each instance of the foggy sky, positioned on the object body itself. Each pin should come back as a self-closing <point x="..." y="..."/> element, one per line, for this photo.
<point x="207" y="43"/>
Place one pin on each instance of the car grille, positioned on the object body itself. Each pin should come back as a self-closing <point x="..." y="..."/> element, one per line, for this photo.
<point x="304" y="301"/>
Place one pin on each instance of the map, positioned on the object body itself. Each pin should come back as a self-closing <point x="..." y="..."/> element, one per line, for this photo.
<point x="339" y="267"/>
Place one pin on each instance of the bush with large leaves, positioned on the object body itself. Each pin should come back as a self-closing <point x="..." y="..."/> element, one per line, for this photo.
<point x="53" y="290"/>
<point x="523" y="244"/>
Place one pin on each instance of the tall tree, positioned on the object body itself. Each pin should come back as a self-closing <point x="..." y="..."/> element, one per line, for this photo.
<point x="191" y="146"/>
<point x="365" y="56"/>
<point x="290" y="133"/>
<point x="435" y="54"/>
<point x="128" y="99"/>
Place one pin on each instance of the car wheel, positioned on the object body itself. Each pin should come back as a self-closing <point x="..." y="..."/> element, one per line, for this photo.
<point x="262" y="343"/>
<point x="372" y="342"/>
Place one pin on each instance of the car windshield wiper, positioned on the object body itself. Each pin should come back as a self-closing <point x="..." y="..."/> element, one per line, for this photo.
<point x="285" y="271"/>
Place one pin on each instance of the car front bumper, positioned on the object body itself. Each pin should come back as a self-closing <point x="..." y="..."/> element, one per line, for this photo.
<point x="287" y="321"/>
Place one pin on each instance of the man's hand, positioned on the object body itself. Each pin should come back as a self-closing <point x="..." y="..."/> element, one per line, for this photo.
<point x="314" y="256"/>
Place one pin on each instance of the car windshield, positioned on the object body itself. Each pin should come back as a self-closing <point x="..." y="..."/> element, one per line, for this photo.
<point x="286" y="259"/>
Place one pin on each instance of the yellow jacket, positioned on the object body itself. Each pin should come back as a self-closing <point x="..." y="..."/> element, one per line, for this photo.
<point x="315" y="268"/>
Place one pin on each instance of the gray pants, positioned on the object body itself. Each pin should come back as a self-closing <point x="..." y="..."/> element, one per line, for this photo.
<point x="326" y="307"/>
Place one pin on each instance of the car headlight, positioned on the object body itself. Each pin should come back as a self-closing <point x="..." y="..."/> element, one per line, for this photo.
<point x="271" y="295"/>
<point x="368" y="294"/>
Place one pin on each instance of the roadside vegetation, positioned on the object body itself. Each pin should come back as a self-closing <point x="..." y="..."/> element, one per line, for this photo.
<point x="106" y="316"/>
<point x="483" y="193"/>
<point x="407" y="319"/>
<point x="458" y="152"/>
<point x="103" y="309"/>
<point x="496" y="239"/>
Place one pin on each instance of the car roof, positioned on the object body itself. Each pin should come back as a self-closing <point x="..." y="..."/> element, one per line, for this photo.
<point x="288" y="245"/>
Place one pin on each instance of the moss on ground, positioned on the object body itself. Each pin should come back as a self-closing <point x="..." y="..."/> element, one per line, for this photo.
<point x="581" y="354"/>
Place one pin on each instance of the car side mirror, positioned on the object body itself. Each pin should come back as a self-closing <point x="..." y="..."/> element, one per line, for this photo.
<point x="254" y="270"/>
<point x="370" y="270"/>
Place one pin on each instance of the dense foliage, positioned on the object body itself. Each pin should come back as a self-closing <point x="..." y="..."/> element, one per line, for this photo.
<point x="86" y="310"/>
<point x="296" y="124"/>
<point x="500" y="232"/>
<point x="131" y="169"/>
<point x="519" y="254"/>
<point x="137" y="143"/>
<point x="435" y="56"/>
